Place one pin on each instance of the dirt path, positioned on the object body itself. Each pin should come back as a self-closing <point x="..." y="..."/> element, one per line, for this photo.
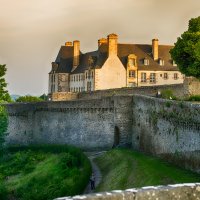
<point x="95" y="169"/>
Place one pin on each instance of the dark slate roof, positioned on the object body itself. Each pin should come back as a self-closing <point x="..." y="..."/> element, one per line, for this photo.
<point x="145" y="51"/>
<point x="65" y="58"/>
<point x="85" y="63"/>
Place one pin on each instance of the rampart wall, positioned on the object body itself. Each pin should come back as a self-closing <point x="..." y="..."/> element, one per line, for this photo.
<point x="178" y="90"/>
<point x="88" y="124"/>
<point x="170" y="129"/>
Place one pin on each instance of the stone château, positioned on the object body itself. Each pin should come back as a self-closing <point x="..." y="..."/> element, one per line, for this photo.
<point x="112" y="65"/>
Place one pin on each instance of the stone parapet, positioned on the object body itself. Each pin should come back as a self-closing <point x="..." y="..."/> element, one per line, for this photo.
<point x="190" y="191"/>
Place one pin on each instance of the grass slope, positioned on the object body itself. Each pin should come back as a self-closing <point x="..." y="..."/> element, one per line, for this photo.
<point x="122" y="169"/>
<point x="43" y="172"/>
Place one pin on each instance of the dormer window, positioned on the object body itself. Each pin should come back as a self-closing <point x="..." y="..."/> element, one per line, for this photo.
<point x="174" y="63"/>
<point x="161" y="62"/>
<point x="132" y="61"/>
<point x="146" y="61"/>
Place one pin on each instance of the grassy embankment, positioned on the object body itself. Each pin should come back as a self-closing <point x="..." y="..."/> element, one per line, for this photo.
<point x="122" y="169"/>
<point x="43" y="172"/>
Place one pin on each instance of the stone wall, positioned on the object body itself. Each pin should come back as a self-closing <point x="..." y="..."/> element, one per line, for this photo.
<point x="191" y="86"/>
<point x="175" y="192"/>
<point x="88" y="124"/>
<point x="177" y="89"/>
<point x="63" y="96"/>
<point x="170" y="129"/>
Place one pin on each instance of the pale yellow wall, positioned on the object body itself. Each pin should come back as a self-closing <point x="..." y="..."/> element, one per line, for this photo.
<point x="111" y="75"/>
<point x="160" y="80"/>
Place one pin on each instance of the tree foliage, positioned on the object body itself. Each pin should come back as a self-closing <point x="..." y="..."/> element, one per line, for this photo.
<point x="3" y="125"/>
<point x="29" y="98"/>
<point x="44" y="97"/>
<point x="4" y="96"/>
<point x="186" y="52"/>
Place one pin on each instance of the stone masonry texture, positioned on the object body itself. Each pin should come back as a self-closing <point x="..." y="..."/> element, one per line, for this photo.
<point x="164" y="128"/>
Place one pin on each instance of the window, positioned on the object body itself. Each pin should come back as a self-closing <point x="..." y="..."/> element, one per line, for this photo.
<point x="175" y="76"/>
<point x="89" y="86"/>
<point x="86" y="74"/>
<point x="160" y="75"/>
<point x="132" y="74"/>
<point x="132" y="62"/>
<point x="174" y="63"/>
<point x="165" y="75"/>
<point x="146" y="61"/>
<point x="143" y="77"/>
<point x="161" y="62"/>
<point x="152" y="77"/>
<point x="89" y="74"/>
<point x="92" y="74"/>
<point x="52" y="78"/>
<point x="74" y="79"/>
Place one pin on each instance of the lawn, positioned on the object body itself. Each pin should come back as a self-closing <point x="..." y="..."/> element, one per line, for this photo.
<point x="43" y="172"/>
<point x="123" y="169"/>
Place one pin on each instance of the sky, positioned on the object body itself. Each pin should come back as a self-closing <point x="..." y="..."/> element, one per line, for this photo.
<point x="32" y="31"/>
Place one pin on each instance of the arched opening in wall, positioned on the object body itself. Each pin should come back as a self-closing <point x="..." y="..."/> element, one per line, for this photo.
<point x="116" y="137"/>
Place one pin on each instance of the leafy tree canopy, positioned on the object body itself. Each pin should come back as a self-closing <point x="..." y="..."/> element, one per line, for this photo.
<point x="186" y="52"/>
<point x="29" y="99"/>
<point x="4" y="96"/>
<point x="44" y="97"/>
<point x="3" y="125"/>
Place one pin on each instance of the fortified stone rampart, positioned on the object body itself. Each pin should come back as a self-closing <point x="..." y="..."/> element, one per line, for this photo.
<point x="176" y="192"/>
<point x="178" y="90"/>
<point x="191" y="86"/>
<point x="170" y="129"/>
<point x="88" y="124"/>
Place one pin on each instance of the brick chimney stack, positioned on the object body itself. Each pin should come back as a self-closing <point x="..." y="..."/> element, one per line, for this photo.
<point x="112" y="44"/>
<point x="155" y="49"/>
<point x="68" y="44"/>
<point x="76" y="45"/>
<point x="102" y="41"/>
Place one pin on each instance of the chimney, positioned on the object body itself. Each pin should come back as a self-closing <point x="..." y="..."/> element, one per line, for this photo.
<point x="68" y="44"/>
<point x="102" y="41"/>
<point x="155" y="49"/>
<point x="76" y="45"/>
<point x="112" y="44"/>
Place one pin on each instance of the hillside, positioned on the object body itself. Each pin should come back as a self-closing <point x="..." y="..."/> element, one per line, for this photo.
<point x="43" y="172"/>
<point x="122" y="169"/>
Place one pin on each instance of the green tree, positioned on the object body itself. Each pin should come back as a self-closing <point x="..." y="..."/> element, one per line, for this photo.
<point x="3" y="126"/>
<point x="4" y="96"/>
<point x="44" y="97"/>
<point x="186" y="52"/>
<point x="28" y="99"/>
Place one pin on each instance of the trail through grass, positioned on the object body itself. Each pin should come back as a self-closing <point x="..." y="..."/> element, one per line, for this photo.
<point x="122" y="169"/>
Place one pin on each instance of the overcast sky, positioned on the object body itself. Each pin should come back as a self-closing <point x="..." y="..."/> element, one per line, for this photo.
<point x="32" y="31"/>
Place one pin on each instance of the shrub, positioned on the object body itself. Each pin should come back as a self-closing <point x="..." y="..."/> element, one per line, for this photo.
<point x="3" y="191"/>
<point x="3" y="126"/>
<point x="46" y="172"/>
<point x="168" y="94"/>
<point x="194" y="98"/>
